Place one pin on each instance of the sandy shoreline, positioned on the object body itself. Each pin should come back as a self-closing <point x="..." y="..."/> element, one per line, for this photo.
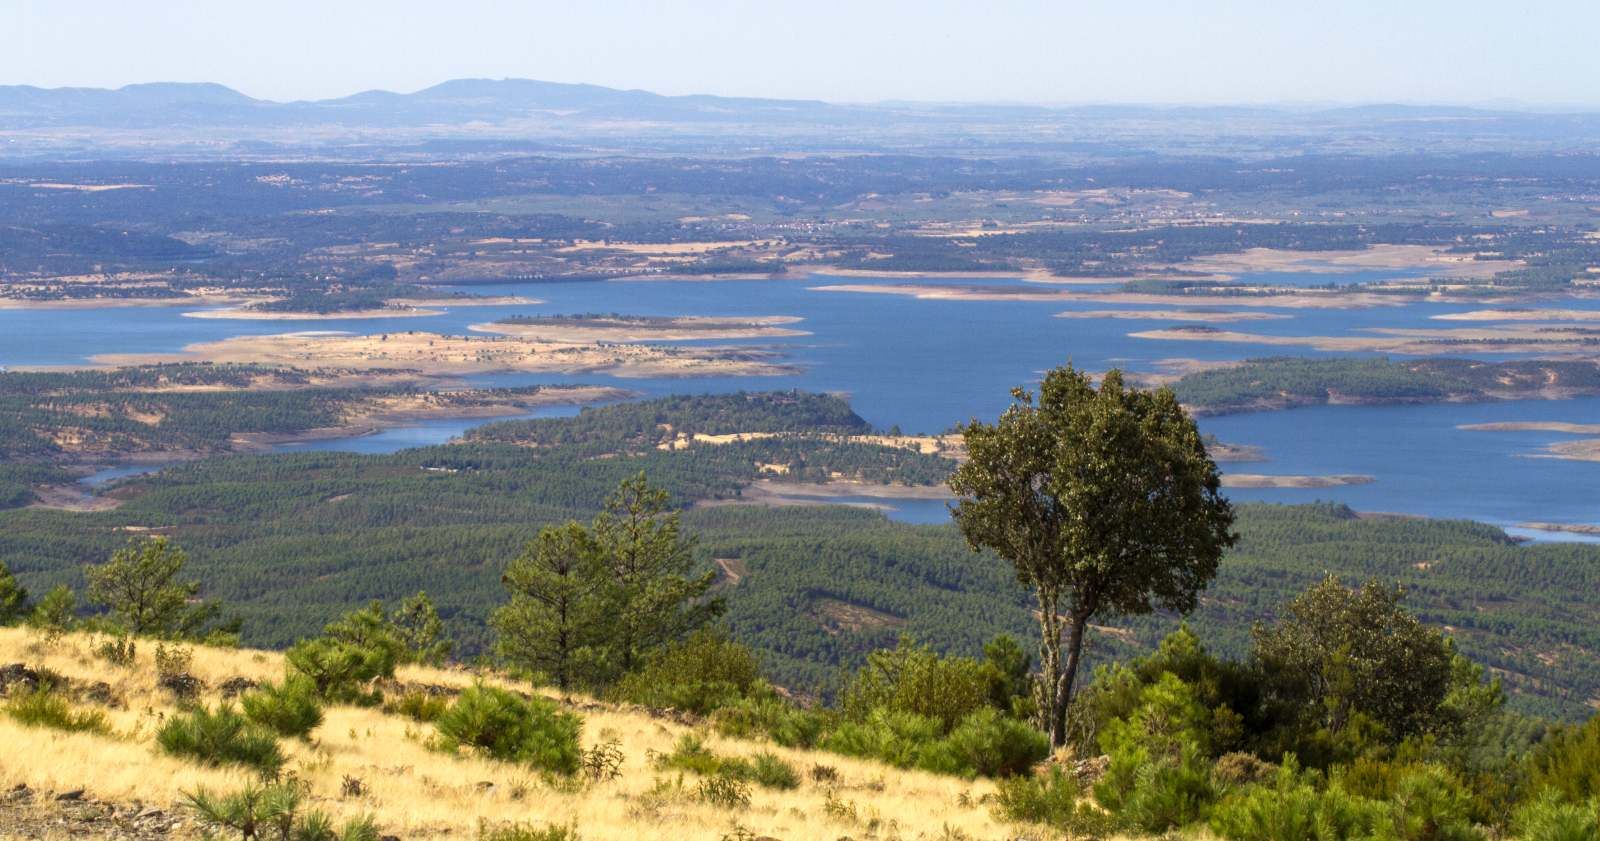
<point x="1521" y="315"/>
<point x="775" y="493"/>
<point x="1261" y="480"/>
<point x="1568" y="528"/>
<point x="435" y="354"/>
<point x="397" y="308"/>
<point x="109" y="303"/>
<point x="1308" y="299"/>
<point x="247" y="314"/>
<point x="1407" y="341"/>
<point x="1205" y="316"/>
<point x="673" y="329"/>
<point x="1534" y="426"/>
<point x="1373" y="258"/>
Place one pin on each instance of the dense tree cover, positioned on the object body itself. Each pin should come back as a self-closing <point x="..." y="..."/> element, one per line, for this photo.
<point x="643" y="425"/>
<point x="1104" y="502"/>
<point x="1297" y="381"/>
<point x="292" y="541"/>
<point x="115" y="412"/>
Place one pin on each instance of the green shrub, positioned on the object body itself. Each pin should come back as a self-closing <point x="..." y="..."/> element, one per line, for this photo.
<point x="1160" y="773"/>
<point x="690" y="754"/>
<point x="1291" y="808"/>
<point x="118" y="650"/>
<point x="342" y="672"/>
<point x="1569" y="762"/>
<point x="508" y="728"/>
<point x="272" y="812"/>
<point x="988" y="744"/>
<point x="769" y="716"/>
<point x="528" y="832"/>
<point x="1054" y="798"/>
<point x="219" y="738"/>
<point x="724" y="792"/>
<point x="896" y="737"/>
<point x="1235" y="769"/>
<point x="912" y="679"/>
<point x="1550" y="818"/>
<point x="985" y="742"/>
<point x="701" y="674"/>
<point x="418" y="706"/>
<point x="41" y="707"/>
<point x="770" y="771"/>
<point x="764" y="769"/>
<point x="1430" y="804"/>
<point x="290" y="708"/>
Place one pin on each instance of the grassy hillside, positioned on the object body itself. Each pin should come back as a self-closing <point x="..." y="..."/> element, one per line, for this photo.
<point x="416" y="792"/>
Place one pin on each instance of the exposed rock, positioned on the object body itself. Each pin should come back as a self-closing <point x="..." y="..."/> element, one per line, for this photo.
<point x="17" y="674"/>
<point x="236" y="686"/>
<point x="182" y="684"/>
<point x="1092" y="769"/>
<point x="101" y="692"/>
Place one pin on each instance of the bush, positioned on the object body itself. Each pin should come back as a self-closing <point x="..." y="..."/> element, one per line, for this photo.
<point x="273" y="810"/>
<point x="699" y="675"/>
<point x="290" y="708"/>
<point x="1293" y="809"/>
<point x="527" y="832"/>
<point x="690" y="754"/>
<point x="895" y="737"/>
<point x="1053" y="798"/>
<point x="769" y="716"/>
<point x="418" y="706"/>
<point x="1160" y="772"/>
<point x="1550" y="818"/>
<point x="1569" y="762"/>
<point x="1430" y="804"/>
<point x="508" y="728"/>
<point x="341" y="671"/>
<point x="41" y="707"/>
<point x="764" y="769"/>
<point x="770" y="771"/>
<point x="984" y="743"/>
<point x="911" y="678"/>
<point x="724" y="792"/>
<point x="219" y="738"/>
<point x="118" y="651"/>
<point x="988" y="744"/>
<point x="1235" y="769"/>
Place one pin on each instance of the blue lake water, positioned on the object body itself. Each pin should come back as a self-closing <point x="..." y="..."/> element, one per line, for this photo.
<point x="925" y="365"/>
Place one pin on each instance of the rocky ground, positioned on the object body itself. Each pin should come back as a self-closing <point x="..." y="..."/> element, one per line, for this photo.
<point x="25" y="813"/>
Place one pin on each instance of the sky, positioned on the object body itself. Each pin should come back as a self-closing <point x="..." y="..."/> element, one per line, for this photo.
<point x="1532" y="52"/>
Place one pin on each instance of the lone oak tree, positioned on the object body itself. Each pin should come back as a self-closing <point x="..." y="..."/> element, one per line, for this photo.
<point x="1106" y="503"/>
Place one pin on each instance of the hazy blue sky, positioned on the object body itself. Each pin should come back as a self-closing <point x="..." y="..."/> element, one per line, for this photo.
<point x="1537" y="51"/>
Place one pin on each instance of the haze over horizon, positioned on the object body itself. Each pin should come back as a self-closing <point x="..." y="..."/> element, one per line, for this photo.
<point x="1250" y="52"/>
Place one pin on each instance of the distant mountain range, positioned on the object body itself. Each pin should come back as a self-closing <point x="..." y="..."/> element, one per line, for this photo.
<point x="456" y="101"/>
<point x="174" y="104"/>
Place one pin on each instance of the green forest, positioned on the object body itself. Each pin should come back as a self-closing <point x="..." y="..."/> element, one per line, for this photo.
<point x="290" y="541"/>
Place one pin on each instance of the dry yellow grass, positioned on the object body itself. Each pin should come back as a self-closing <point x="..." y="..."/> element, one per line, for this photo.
<point x="419" y="793"/>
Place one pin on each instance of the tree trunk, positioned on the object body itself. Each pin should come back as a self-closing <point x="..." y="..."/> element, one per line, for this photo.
<point x="1049" y="696"/>
<point x="1064" y="691"/>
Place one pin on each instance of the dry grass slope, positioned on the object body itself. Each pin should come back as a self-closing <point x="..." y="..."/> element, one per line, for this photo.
<point x="419" y="793"/>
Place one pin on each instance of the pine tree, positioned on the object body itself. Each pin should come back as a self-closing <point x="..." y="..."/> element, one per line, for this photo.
<point x="13" y="597"/>
<point x="140" y="586"/>
<point x="651" y="600"/>
<point x="553" y="621"/>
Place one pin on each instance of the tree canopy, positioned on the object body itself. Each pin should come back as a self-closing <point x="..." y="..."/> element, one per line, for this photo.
<point x="1105" y="502"/>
